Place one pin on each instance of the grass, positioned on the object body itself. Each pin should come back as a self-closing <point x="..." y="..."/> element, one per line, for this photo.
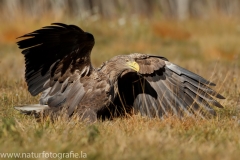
<point x="209" y="48"/>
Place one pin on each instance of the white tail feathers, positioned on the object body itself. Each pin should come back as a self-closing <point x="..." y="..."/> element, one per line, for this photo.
<point x="32" y="108"/>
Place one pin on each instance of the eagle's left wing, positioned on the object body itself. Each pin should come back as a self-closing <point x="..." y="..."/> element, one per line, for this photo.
<point x="164" y="88"/>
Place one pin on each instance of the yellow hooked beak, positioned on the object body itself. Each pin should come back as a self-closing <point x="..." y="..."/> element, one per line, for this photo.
<point x="133" y="65"/>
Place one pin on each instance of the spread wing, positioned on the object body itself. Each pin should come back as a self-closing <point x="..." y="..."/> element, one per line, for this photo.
<point x="55" y="56"/>
<point x="164" y="88"/>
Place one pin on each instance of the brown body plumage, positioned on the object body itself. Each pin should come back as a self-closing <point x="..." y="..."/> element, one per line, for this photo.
<point x="58" y="64"/>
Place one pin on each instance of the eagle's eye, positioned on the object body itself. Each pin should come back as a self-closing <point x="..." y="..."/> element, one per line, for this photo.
<point x="127" y="60"/>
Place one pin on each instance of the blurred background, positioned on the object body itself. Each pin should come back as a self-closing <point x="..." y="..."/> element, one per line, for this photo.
<point x="201" y="35"/>
<point x="82" y="9"/>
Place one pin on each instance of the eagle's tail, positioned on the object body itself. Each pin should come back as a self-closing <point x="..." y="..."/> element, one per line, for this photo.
<point x="32" y="108"/>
